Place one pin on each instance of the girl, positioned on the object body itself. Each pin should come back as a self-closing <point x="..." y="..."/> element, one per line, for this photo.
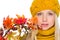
<point x="46" y="12"/>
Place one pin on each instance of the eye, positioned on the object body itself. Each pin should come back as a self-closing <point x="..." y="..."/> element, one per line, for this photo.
<point x="50" y="13"/>
<point x="39" y="14"/>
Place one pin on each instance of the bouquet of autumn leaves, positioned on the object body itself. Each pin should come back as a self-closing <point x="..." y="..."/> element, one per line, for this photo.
<point x="21" y="24"/>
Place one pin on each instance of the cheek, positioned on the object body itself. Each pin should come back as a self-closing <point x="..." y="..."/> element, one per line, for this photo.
<point x="51" y="21"/>
<point x="39" y="21"/>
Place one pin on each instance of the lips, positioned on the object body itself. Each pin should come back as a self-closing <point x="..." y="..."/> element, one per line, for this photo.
<point x="44" y="25"/>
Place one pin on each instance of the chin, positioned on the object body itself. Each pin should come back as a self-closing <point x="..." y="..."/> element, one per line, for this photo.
<point x="45" y="28"/>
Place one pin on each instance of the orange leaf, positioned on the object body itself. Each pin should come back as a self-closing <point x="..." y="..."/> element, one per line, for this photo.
<point x="7" y="22"/>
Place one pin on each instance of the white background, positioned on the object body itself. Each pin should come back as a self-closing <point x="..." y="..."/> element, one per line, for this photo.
<point x="13" y="7"/>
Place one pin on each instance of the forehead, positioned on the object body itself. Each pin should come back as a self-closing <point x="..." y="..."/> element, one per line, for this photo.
<point x="46" y="11"/>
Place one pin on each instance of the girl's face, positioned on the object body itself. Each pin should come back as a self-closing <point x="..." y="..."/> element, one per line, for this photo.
<point x="46" y="19"/>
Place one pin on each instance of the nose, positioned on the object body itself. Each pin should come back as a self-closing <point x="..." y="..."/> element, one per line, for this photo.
<point x="44" y="18"/>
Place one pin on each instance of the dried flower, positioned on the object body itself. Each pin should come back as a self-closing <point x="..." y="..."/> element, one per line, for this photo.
<point x="20" y="20"/>
<point x="32" y="22"/>
<point x="7" y="22"/>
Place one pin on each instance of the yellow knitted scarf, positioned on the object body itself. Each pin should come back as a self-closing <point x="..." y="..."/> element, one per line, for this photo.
<point x="46" y="34"/>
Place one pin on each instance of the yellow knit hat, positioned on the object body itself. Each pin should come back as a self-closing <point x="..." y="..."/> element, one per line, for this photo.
<point x="39" y="5"/>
